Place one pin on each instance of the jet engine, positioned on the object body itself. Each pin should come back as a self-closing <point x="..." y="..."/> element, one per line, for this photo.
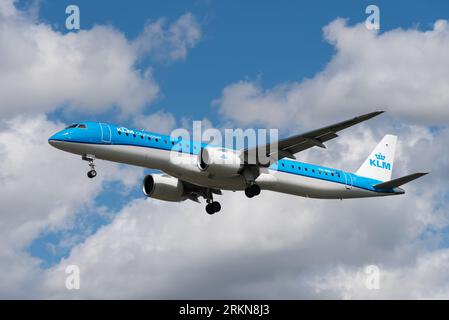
<point x="219" y="161"/>
<point x="162" y="187"/>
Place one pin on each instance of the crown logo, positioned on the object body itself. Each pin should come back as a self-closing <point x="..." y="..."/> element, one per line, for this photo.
<point x="380" y="156"/>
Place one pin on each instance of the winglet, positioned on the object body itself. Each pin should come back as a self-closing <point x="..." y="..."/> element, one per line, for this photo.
<point x="399" y="181"/>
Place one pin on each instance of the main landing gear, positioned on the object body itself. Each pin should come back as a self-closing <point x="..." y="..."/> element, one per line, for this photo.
<point x="252" y="190"/>
<point x="91" y="173"/>
<point x="212" y="206"/>
<point x="250" y="174"/>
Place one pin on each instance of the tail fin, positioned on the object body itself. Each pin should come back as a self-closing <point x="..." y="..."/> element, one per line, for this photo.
<point x="379" y="164"/>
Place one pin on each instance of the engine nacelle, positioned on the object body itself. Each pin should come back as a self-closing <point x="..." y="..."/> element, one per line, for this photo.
<point x="163" y="187"/>
<point x="219" y="161"/>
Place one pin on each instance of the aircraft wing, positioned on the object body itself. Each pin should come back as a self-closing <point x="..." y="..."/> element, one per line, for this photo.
<point x="286" y="148"/>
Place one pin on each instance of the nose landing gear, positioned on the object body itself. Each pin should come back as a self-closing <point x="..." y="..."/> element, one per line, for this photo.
<point x="90" y="158"/>
<point x="92" y="174"/>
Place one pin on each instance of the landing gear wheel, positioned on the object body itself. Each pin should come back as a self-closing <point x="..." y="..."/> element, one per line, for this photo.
<point x="92" y="174"/>
<point x="90" y="158"/>
<point x="210" y="209"/>
<point x="252" y="190"/>
<point x="216" y="206"/>
<point x="256" y="189"/>
<point x="213" y="207"/>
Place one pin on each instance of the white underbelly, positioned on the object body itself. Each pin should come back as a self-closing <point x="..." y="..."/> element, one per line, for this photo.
<point x="184" y="168"/>
<point x="188" y="170"/>
<point x="307" y="186"/>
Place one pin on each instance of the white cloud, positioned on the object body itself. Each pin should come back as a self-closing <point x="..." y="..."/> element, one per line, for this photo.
<point x="171" y="43"/>
<point x="274" y="246"/>
<point x="42" y="189"/>
<point x="160" y="122"/>
<point x="7" y="8"/>
<point x="424" y="278"/>
<point x="90" y="71"/>
<point x="405" y="72"/>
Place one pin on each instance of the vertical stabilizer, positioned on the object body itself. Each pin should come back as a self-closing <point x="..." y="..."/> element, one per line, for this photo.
<point x="379" y="164"/>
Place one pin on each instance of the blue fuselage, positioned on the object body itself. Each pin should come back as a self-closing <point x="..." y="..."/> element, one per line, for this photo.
<point x="106" y="141"/>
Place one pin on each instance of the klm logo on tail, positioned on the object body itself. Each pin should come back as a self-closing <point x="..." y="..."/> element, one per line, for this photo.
<point x="380" y="162"/>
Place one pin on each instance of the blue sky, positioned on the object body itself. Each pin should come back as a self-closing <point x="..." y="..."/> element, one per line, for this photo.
<point x="278" y="41"/>
<point x="273" y="41"/>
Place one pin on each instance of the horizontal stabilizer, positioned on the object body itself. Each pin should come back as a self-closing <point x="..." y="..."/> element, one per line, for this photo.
<point x="399" y="181"/>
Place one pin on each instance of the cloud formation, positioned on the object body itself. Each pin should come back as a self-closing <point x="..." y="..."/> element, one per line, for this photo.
<point x="405" y="72"/>
<point x="169" y="43"/>
<point x="273" y="246"/>
<point x="34" y="198"/>
<point x="90" y="71"/>
<point x="280" y="246"/>
<point x="160" y="122"/>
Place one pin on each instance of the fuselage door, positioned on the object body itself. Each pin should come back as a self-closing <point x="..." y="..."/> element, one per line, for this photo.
<point x="105" y="133"/>
<point x="348" y="180"/>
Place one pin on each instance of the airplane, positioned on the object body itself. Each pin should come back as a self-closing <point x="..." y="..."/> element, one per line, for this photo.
<point x="205" y="176"/>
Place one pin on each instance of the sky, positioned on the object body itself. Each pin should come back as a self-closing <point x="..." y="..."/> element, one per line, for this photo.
<point x="289" y="65"/>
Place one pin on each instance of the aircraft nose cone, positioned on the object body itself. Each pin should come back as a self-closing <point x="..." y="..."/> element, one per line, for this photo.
<point x="52" y="140"/>
<point x="56" y="140"/>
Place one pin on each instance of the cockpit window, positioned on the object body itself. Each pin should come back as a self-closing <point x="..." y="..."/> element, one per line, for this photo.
<point x="82" y="126"/>
<point x="72" y="126"/>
